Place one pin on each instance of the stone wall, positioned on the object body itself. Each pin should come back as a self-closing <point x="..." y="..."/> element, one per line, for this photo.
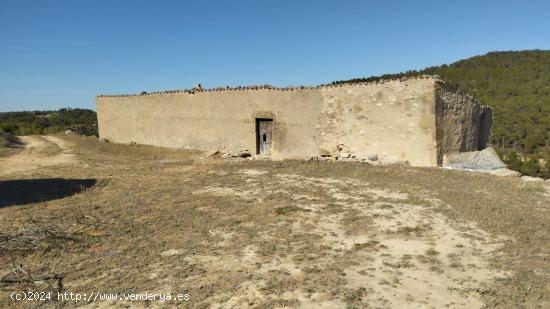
<point x="414" y="120"/>
<point x="222" y="120"/>
<point x="393" y="120"/>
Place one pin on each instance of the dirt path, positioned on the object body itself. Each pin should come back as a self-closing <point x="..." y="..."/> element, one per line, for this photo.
<point x="395" y="253"/>
<point x="40" y="151"/>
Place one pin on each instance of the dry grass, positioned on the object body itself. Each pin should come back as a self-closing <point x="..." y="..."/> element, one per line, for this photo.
<point x="274" y="240"/>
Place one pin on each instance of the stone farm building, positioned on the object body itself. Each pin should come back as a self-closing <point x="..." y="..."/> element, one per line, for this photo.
<point x="414" y="119"/>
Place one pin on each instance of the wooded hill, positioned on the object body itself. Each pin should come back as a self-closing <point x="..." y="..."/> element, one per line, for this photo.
<point x="516" y="84"/>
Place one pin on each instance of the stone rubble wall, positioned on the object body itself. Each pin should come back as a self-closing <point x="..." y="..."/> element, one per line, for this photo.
<point x="393" y="121"/>
<point x="386" y="121"/>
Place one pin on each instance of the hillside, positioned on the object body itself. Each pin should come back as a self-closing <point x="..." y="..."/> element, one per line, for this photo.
<point x="44" y="122"/>
<point x="516" y="85"/>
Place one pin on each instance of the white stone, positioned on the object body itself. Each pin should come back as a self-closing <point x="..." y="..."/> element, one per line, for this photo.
<point x="505" y="172"/>
<point x="530" y="178"/>
<point x="171" y="252"/>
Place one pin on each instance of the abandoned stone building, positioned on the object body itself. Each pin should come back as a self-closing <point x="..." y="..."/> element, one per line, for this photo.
<point x="415" y="119"/>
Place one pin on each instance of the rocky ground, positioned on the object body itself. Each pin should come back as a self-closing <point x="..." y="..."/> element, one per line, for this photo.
<point x="109" y="218"/>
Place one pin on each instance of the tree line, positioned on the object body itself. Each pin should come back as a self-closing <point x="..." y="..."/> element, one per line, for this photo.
<point x="45" y="122"/>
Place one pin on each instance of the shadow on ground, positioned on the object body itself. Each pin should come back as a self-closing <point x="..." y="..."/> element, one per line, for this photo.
<point x="26" y="191"/>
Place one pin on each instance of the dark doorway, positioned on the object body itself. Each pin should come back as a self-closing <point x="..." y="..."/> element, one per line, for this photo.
<point x="485" y="124"/>
<point x="264" y="136"/>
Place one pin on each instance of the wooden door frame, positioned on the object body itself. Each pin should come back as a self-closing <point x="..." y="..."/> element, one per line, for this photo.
<point x="258" y="138"/>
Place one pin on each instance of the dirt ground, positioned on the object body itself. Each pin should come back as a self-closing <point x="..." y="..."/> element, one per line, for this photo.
<point x="116" y="219"/>
<point x="39" y="151"/>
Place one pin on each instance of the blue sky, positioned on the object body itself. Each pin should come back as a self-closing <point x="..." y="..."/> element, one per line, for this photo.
<point x="63" y="53"/>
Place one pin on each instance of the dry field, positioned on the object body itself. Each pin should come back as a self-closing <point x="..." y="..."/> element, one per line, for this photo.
<point x="81" y="215"/>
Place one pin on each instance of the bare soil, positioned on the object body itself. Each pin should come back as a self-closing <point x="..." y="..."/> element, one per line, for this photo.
<point x="39" y="151"/>
<point x="117" y="218"/>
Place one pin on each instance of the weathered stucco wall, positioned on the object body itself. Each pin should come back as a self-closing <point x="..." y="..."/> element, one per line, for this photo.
<point x="394" y="120"/>
<point x="415" y="120"/>
<point x="214" y="120"/>
<point x="462" y="123"/>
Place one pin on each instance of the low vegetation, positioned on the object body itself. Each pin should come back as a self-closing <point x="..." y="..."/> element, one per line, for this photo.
<point x="8" y="143"/>
<point x="46" y="122"/>
<point x="8" y="140"/>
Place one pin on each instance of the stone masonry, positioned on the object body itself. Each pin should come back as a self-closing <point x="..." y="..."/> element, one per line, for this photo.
<point x="414" y="120"/>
